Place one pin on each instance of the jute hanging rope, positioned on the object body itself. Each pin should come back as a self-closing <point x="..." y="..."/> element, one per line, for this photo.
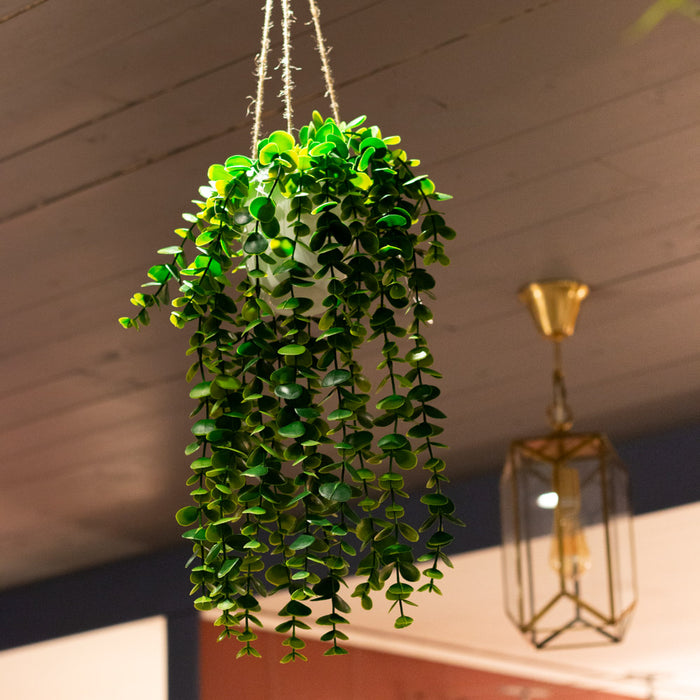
<point x="323" y="53"/>
<point x="288" y="84"/>
<point x="262" y="62"/>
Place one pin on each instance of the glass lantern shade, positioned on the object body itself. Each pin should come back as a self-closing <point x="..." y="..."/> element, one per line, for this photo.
<point x="569" y="574"/>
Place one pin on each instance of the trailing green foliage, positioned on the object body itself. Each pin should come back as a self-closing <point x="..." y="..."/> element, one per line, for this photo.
<point x="299" y="259"/>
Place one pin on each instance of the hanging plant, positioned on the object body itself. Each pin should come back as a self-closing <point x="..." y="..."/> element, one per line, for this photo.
<point x="302" y="257"/>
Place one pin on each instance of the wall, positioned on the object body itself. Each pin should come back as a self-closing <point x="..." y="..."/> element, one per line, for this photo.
<point x="361" y="675"/>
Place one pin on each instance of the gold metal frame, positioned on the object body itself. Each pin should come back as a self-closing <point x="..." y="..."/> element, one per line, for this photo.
<point x="554" y="305"/>
<point x="566" y="446"/>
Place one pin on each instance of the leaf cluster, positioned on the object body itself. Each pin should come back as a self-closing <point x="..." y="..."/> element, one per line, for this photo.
<point x="292" y="262"/>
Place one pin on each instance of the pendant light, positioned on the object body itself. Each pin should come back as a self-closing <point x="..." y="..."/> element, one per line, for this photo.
<point x="568" y="554"/>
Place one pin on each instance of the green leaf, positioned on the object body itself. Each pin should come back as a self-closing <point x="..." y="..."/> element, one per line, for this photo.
<point x="391" y="220"/>
<point x="302" y="542"/>
<point x="238" y="163"/>
<point x="297" y="608"/>
<point x="390" y="403"/>
<point x="331" y="619"/>
<point x="340" y="414"/>
<point x="420" y="430"/>
<point x="284" y="375"/>
<point x="191" y="448"/>
<point x="289" y="391"/>
<point x="336" y="377"/>
<point x="365" y="159"/>
<point x="262" y="209"/>
<point x="405" y="459"/>
<point x="204" y="262"/>
<point x="335" y="651"/>
<point x="413" y="180"/>
<point x="227" y="566"/>
<point x="335" y="491"/>
<point x="277" y="575"/>
<point x="187" y="515"/>
<point x="360" y="439"/>
<point x="248" y="349"/>
<point x="325" y="206"/>
<point x="434" y="499"/>
<point x="393" y="441"/>
<point x="439" y="539"/>
<point x="203" y="427"/>
<point x="218" y="172"/>
<point x="227" y="382"/>
<point x="292" y="430"/>
<point x="283" y="139"/>
<point x="372" y="142"/>
<point x="424" y="392"/>
<point x="299" y="497"/>
<point x="255" y="244"/>
<point x="399" y="591"/>
<point x="408" y="532"/>
<point x="427" y="186"/>
<point x="292" y="349"/>
<point x="170" y="250"/>
<point x="402" y="621"/>
<point x="201" y="390"/>
<point x="397" y="552"/>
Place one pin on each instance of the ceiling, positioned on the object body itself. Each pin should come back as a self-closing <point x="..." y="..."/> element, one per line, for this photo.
<point x="569" y="151"/>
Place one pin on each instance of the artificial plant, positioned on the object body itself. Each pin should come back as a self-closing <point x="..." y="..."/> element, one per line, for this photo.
<point x="300" y="259"/>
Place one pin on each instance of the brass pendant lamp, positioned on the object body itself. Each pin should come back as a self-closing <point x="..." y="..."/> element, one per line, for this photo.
<point x="568" y="554"/>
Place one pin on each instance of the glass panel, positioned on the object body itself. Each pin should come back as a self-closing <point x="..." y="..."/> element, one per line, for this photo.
<point x="541" y="583"/>
<point x="621" y="536"/>
<point x="511" y="587"/>
<point x="568" y="556"/>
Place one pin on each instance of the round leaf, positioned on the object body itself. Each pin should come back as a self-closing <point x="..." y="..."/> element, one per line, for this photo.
<point x="289" y="391"/>
<point x="277" y="575"/>
<point x="402" y="621"/>
<point x="405" y="459"/>
<point x="187" y="515"/>
<point x="340" y="414"/>
<point x="262" y="209"/>
<point x="399" y="591"/>
<point x="201" y="390"/>
<point x="292" y="349"/>
<point x="283" y="139"/>
<point x="302" y="542"/>
<point x="292" y="430"/>
<point x="335" y="491"/>
<point x="336" y="377"/>
<point x="391" y="403"/>
<point x="393" y="441"/>
<point x="255" y="244"/>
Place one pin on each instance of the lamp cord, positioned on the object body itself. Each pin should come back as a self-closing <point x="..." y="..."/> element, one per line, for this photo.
<point x="560" y="415"/>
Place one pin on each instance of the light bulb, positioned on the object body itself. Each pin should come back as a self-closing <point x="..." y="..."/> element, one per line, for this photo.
<point x="569" y="553"/>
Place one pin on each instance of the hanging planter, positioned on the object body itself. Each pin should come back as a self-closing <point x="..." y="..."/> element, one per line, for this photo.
<point x="296" y="260"/>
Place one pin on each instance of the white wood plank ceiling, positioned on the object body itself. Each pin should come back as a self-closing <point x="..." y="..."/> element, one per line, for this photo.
<point x="569" y="152"/>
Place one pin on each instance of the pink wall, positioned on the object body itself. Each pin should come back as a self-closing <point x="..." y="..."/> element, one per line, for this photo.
<point x="361" y="675"/>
